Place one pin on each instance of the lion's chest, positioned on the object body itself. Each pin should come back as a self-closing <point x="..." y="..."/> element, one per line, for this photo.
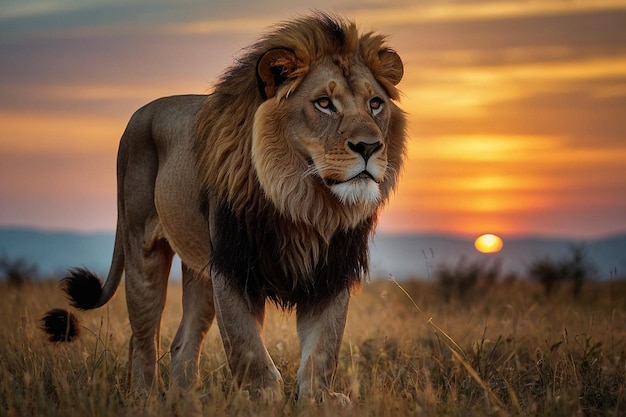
<point x="268" y="257"/>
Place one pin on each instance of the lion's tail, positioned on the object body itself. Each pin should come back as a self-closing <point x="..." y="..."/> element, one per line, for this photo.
<point x="85" y="291"/>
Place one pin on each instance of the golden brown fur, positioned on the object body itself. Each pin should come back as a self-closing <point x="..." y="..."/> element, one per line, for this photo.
<point x="268" y="188"/>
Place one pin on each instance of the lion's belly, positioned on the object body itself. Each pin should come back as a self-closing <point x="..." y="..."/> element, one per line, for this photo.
<point x="183" y="225"/>
<point x="185" y="230"/>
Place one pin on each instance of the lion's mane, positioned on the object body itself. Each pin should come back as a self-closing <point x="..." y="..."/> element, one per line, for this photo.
<point x="321" y="243"/>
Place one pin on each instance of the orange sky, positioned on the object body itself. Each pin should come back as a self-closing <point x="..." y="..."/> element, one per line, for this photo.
<point x="516" y="108"/>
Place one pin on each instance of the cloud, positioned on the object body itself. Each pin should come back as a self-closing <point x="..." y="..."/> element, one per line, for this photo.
<point x="472" y="90"/>
<point x="221" y="26"/>
<point x="35" y="8"/>
<point x="36" y="133"/>
<point x="459" y="11"/>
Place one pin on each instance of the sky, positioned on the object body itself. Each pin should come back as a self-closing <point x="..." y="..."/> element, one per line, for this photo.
<point x="517" y="109"/>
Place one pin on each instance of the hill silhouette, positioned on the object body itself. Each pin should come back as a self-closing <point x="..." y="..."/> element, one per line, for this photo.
<point x="403" y="256"/>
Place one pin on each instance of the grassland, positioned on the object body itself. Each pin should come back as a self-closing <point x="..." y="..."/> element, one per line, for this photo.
<point x="506" y="350"/>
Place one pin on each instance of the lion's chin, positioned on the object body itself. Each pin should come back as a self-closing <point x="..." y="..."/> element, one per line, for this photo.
<point x="357" y="191"/>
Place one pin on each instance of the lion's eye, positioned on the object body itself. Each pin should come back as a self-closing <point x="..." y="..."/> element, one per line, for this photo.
<point x="325" y="105"/>
<point x="376" y="105"/>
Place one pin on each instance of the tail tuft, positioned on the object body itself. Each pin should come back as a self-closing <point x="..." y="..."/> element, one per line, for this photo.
<point x="83" y="288"/>
<point x="60" y="325"/>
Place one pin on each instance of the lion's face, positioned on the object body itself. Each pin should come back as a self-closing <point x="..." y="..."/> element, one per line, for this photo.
<point x="338" y="128"/>
<point x="328" y="132"/>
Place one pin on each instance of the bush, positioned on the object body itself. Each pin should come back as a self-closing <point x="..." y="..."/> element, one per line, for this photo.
<point x="17" y="271"/>
<point x="461" y="280"/>
<point x="551" y="274"/>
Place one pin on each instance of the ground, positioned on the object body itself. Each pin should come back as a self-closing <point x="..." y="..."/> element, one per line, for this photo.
<point x="501" y="350"/>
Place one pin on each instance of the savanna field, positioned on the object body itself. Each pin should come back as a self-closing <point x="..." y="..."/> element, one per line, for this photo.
<point x="410" y="349"/>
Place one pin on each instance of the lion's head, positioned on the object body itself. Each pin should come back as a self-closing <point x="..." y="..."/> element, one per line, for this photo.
<point x="313" y="126"/>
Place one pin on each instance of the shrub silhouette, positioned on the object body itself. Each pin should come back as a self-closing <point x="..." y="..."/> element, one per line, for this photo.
<point x="575" y="269"/>
<point x="464" y="278"/>
<point x="17" y="271"/>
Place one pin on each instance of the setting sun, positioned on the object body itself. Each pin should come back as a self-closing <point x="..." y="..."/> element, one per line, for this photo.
<point x="488" y="243"/>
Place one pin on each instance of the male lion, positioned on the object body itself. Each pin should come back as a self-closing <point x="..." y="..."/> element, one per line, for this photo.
<point x="267" y="189"/>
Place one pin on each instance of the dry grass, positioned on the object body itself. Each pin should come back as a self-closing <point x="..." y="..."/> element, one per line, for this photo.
<point x="503" y="351"/>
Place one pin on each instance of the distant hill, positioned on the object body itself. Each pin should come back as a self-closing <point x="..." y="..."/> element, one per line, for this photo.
<point x="55" y="252"/>
<point x="403" y="256"/>
<point x="420" y="255"/>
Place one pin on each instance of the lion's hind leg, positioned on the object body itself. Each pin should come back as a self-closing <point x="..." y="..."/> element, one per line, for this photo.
<point x="198" y="314"/>
<point x="146" y="284"/>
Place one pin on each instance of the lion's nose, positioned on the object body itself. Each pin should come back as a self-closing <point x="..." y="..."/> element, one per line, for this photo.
<point x="365" y="149"/>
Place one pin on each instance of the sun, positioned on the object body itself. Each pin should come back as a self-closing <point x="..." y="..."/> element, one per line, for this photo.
<point x="488" y="243"/>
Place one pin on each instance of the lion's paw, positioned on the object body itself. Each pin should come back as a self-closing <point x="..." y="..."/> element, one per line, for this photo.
<point x="339" y="399"/>
<point x="324" y="397"/>
<point x="267" y="395"/>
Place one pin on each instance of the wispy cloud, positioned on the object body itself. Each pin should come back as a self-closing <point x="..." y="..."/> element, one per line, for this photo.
<point x="470" y="91"/>
<point x="223" y="26"/>
<point x="429" y="12"/>
<point x="35" y="8"/>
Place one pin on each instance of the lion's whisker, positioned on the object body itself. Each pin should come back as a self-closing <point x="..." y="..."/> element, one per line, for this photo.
<point x="311" y="171"/>
<point x="391" y="173"/>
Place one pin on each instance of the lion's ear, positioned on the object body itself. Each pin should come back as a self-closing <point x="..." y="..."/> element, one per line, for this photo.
<point x="274" y="68"/>
<point x="391" y="67"/>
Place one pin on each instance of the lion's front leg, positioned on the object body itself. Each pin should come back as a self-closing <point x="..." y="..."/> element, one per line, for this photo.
<point x="320" y="330"/>
<point x="241" y="326"/>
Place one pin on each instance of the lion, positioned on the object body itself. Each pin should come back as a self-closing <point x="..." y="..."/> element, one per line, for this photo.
<point x="268" y="189"/>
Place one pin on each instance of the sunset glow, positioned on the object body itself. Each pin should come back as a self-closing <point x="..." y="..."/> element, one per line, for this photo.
<point x="515" y="108"/>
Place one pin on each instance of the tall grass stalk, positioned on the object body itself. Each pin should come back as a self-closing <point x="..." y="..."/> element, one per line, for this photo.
<point x="456" y="350"/>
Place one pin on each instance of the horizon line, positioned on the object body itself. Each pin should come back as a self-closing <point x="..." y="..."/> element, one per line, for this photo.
<point x="408" y="233"/>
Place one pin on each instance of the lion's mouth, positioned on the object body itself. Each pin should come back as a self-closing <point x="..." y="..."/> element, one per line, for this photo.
<point x="363" y="175"/>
